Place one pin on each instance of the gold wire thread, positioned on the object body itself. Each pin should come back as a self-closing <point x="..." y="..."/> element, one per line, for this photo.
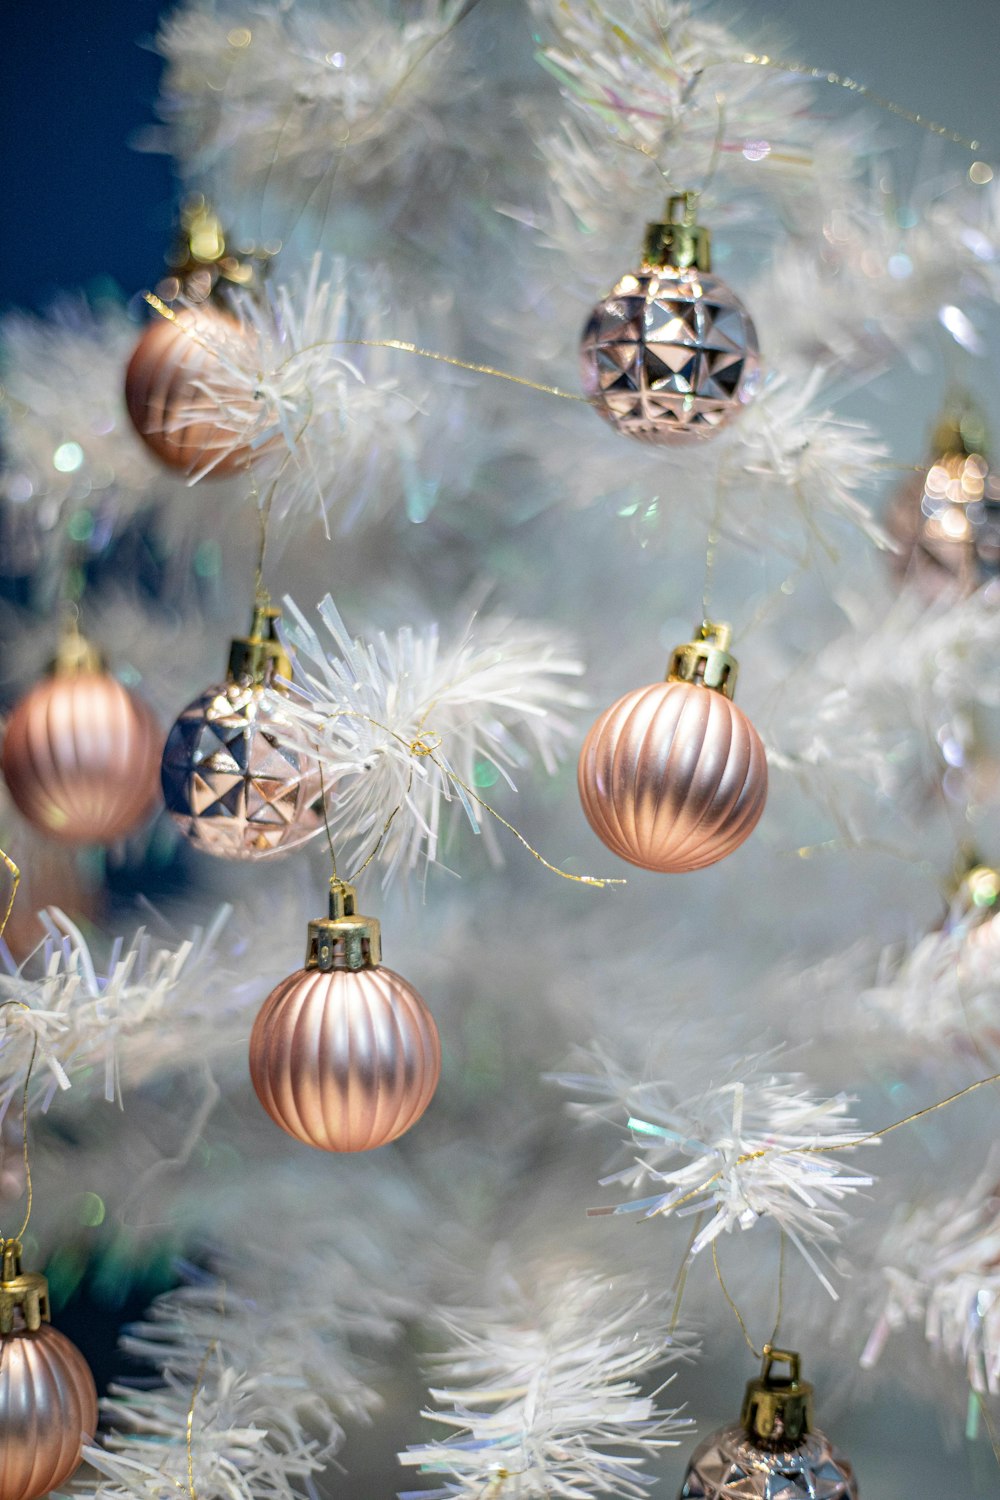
<point x="16" y="881"/>
<point x="424" y="746"/>
<point x="682" y="1274"/>
<point x="725" y="1292"/>
<point x="779" y="1313"/>
<point x="991" y="1431"/>
<point x="403" y="346"/>
<point x="29" y="1187"/>
<point x="199" y="1381"/>
<point x="838" y="80"/>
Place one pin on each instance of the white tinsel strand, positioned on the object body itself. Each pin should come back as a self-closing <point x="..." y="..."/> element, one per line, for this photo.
<point x="267" y="1340"/>
<point x="752" y="1148"/>
<point x="329" y="421"/>
<point x="145" y="1011"/>
<point x="400" y="722"/>
<point x="545" y="1394"/>
<point x="940" y="1267"/>
<point x="317" y="105"/>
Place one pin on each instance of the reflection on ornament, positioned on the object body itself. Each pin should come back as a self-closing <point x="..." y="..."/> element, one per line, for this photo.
<point x="946" y="520"/>
<point x="773" y="1452"/>
<point x="671" y="353"/>
<point x="673" y="777"/>
<point x="344" y="1054"/>
<point x="228" y="783"/>
<point x="48" y="1401"/>
<point x="80" y="752"/>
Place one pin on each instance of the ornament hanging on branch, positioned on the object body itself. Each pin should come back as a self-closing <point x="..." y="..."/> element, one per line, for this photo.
<point x="773" y="1450"/>
<point x="344" y="1054"/>
<point x="81" y="752"/>
<point x="230" y="784"/>
<point x="671" y="353"/>
<point x="48" y="1400"/>
<point x="673" y="777"/>
<point x="179" y="397"/>
<point x="945" y="520"/>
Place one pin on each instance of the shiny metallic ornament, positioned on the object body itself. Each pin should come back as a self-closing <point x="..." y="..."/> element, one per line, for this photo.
<point x="773" y="1452"/>
<point x="344" y="1054"/>
<point x="81" y="753"/>
<point x="185" y="426"/>
<point x="229" y="784"/>
<point x="48" y="1401"/>
<point x="673" y="777"/>
<point x="946" y="519"/>
<point x="671" y="353"/>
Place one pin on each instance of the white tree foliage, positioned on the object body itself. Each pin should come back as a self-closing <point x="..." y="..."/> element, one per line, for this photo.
<point x="545" y="1393"/>
<point x="761" y="1145"/>
<point x="404" y="725"/>
<point x="940" y="1271"/>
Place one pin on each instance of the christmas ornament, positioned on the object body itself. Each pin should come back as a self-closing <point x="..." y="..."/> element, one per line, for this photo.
<point x="773" y="1452"/>
<point x="81" y="752"/>
<point x="671" y="353"/>
<point x="673" y="776"/>
<point x="176" y="387"/>
<point x="344" y="1054"/>
<point x="228" y="783"/>
<point x="946" y="519"/>
<point x="48" y="1400"/>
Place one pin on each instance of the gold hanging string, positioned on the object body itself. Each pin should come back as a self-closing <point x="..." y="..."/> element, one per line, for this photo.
<point x="424" y="746"/>
<point x="839" y="80"/>
<point x="725" y="1292"/>
<point x="199" y="1381"/>
<point x="326" y="820"/>
<point x="24" y="1123"/>
<point x="757" y="1354"/>
<point x="991" y="1431"/>
<point x="15" y="875"/>
<point x="682" y="1274"/>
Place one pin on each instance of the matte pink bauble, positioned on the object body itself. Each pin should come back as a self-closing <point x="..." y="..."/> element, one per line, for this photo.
<point x="673" y="777"/>
<point x="183" y="424"/>
<point x="81" y="757"/>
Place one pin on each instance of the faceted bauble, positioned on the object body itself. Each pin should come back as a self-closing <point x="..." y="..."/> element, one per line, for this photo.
<point x="81" y="757"/>
<point x="48" y="1409"/>
<point x="233" y="789"/>
<point x="731" y="1466"/>
<point x="673" y="777"/>
<point x="345" y="1060"/>
<point x="946" y="524"/>
<point x="183" y="424"/>
<point x="669" y="355"/>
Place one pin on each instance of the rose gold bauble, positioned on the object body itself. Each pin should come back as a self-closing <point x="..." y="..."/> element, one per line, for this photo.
<point x="346" y="1060"/>
<point x="48" y="1409"/>
<point x="180" y="422"/>
<point x="81" y="757"/>
<point x="673" y="777"/>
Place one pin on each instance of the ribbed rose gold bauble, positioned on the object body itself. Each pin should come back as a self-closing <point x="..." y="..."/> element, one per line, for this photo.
<point x="673" y="777"/>
<point x="184" y="425"/>
<point x="81" y="757"/>
<point x="344" y="1054"/>
<point x="48" y="1401"/>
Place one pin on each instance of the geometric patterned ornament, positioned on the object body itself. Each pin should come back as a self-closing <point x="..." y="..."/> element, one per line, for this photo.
<point x="232" y="788"/>
<point x="669" y="355"/>
<point x="731" y="1466"/>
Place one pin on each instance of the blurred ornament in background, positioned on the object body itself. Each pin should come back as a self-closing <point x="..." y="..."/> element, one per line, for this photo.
<point x="946" y="519"/>
<point x="176" y="385"/>
<point x="48" y="1400"/>
<point x="673" y="777"/>
<point x="81" y="752"/>
<point x="773" y="1452"/>
<point x="671" y="353"/>
<point x="344" y="1054"/>
<point x="231" y="787"/>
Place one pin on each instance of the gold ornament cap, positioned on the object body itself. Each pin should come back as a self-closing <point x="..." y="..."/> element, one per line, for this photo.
<point x="343" y="940"/>
<point x="706" y="661"/>
<point x="201" y="260"/>
<point x="24" y="1290"/>
<point x="777" y="1409"/>
<point x="74" y="653"/>
<point x="259" y="656"/>
<point x="678" y="242"/>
